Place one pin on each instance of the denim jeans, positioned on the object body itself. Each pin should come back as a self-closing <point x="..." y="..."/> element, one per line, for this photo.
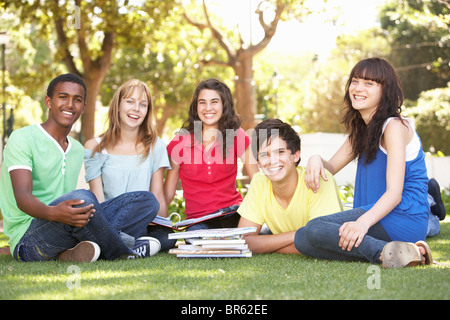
<point x="434" y="228"/>
<point x="320" y="239"/>
<point x="227" y="221"/>
<point x="129" y="213"/>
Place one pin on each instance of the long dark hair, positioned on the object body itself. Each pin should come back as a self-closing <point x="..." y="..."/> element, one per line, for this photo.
<point x="228" y="120"/>
<point x="365" y="139"/>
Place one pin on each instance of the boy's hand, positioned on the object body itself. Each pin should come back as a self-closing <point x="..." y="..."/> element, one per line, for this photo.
<point x="70" y="212"/>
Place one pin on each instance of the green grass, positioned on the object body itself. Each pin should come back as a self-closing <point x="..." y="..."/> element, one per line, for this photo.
<point x="266" y="276"/>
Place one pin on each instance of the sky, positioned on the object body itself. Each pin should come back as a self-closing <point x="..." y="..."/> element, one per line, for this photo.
<point x="316" y="34"/>
<point x="320" y="36"/>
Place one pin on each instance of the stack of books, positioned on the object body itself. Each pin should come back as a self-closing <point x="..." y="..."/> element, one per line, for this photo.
<point x="212" y="243"/>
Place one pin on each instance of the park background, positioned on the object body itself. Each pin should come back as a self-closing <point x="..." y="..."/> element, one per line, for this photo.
<point x="281" y="58"/>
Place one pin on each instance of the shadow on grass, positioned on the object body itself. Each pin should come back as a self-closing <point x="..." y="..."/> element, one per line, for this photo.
<point x="266" y="276"/>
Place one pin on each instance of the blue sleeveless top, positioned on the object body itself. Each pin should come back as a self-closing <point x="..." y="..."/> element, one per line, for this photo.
<point x="408" y="221"/>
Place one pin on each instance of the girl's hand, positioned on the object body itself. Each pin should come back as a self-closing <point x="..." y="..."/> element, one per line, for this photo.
<point x="352" y="233"/>
<point x="314" y="170"/>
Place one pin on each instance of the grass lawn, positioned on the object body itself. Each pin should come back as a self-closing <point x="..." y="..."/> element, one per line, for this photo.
<point x="266" y="276"/>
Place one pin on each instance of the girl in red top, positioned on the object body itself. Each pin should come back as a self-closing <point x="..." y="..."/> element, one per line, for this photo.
<point x="204" y="153"/>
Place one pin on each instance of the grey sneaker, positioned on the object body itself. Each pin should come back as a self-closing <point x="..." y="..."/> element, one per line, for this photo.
<point x="85" y="251"/>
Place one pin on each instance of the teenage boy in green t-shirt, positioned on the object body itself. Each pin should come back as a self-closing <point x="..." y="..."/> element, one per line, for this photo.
<point x="43" y="217"/>
<point x="278" y="196"/>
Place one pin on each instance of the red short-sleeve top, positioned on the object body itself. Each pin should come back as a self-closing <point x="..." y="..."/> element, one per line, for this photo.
<point x="208" y="180"/>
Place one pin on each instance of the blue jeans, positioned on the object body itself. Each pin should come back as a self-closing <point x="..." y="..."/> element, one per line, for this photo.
<point x="434" y="228"/>
<point x="129" y="214"/>
<point x="320" y="239"/>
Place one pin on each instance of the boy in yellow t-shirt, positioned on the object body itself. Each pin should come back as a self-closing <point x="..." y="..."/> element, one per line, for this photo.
<point x="278" y="195"/>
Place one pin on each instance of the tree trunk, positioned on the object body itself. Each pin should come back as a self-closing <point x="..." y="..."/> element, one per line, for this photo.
<point x="244" y="90"/>
<point x="241" y="60"/>
<point x="93" y="82"/>
<point x="167" y="112"/>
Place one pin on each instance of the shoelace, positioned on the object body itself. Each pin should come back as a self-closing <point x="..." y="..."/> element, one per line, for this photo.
<point x="141" y="250"/>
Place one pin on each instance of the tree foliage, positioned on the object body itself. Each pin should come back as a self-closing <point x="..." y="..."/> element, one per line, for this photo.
<point x="324" y="85"/>
<point x="432" y="115"/>
<point x="169" y="65"/>
<point x="172" y="45"/>
<point x="26" y="59"/>
<point x="239" y="55"/>
<point x="418" y="31"/>
<point x="87" y="33"/>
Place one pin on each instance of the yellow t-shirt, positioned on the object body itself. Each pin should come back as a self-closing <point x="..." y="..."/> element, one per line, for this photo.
<point x="260" y="205"/>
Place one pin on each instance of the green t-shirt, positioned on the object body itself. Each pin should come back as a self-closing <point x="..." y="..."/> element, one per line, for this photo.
<point x="54" y="173"/>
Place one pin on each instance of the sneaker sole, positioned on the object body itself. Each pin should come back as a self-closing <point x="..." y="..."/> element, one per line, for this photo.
<point x="399" y="254"/>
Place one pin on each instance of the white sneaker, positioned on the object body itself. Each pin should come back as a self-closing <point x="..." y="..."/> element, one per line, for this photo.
<point x="146" y="247"/>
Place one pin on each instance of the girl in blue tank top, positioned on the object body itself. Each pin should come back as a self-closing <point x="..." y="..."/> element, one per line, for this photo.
<point x="389" y="221"/>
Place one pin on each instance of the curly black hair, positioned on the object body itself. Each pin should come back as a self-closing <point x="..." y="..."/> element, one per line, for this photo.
<point x="67" y="77"/>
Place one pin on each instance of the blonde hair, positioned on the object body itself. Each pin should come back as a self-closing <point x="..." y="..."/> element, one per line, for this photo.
<point x="147" y="133"/>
